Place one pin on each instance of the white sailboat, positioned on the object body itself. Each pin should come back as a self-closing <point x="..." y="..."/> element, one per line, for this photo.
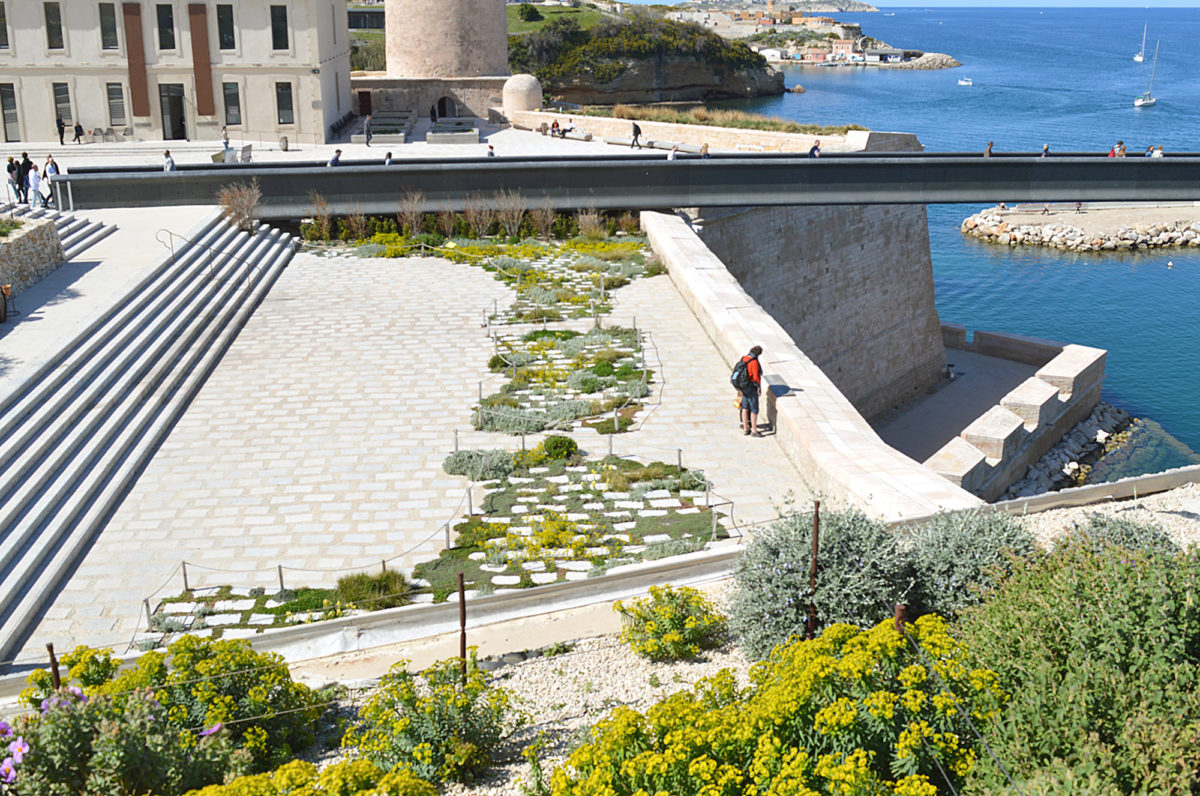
<point x="1141" y="55"/>
<point x="1147" y="99"/>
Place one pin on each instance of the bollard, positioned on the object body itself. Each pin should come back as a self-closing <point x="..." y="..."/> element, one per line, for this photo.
<point x="183" y="565"/>
<point x="55" y="676"/>
<point x="462" y="628"/>
<point x="470" y="506"/>
<point x="811" y="631"/>
<point x="383" y="566"/>
<point x="447" y="527"/>
<point x="522" y="442"/>
<point x="898" y="619"/>
<point x="616" y="421"/>
<point x="610" y="439"/>
<point x="713" y="512"/>
<point x="679" y="459"/>
<point x="149" y="623"/>
<point x="279" y="571"/>
<point x="456" y="440"/>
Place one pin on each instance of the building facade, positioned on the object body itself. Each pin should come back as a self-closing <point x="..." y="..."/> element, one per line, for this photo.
<point x="174" y="69"/>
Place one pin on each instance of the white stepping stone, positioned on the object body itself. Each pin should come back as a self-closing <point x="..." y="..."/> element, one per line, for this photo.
<point x="206" y="632"/>
<point x="539" y="469"/>
<point x="262" y="619"/>
<point x="530" y="490"/>
<point x="519" y="480"/>
<point x="596" y="551"/>
<point x="590" y="477"/>
<point x="577" y="575"/>
<point x="665" y="503"/>
<point x="579" y="468"/>
<point x="616" y="495"/>
<point x="561" y="498"/>
<point x="501" y="520"/>
<point x="469" y="594"/>
<point x="537" y="517"/>
<point x="575" y="566"/>
<point x="273" y="603"/>
<point x="422" y="599"/>
<point x="513" y="555"/>
<point x="620" y="537"/>
<point x="234" y="605"/>
<point x="690" y="493"/>
<point x="478" y="555"/>
<point x="559" y="479"/>
<point x="633" y="549"/>
<point x="506" y="580"/>
<point x="534" y="566"/>
<point x="616" y="514"/>
<point x="549" y="507"/>
<point x="624" y="526"/>
<point x="521" y="530"/>
<point x="541" y="578"/>
<point x="577" y="517"/>
<point x="223" y="619"/>
<point x="571" y="488"/>
<point x="519" y="508"/>
<point x="528" y="499"/>
<point x="658" y="493"/>
<point x="652" y="512"/>
<point x="493" y="567"/>
<point x="656" y="538"/>
<point x="690" y="510"/>
<point x="628" y="504"/>
<point x="240" y="632"/>
<point x="595" y="506"/>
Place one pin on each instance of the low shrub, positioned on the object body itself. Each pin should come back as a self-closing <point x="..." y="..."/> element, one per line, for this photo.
<point x="485" y="465"/>
<point x="958" y="557"/>
<point x="862" y="571"/>
<point x="201" y="683"/>
<point x="347" y="778"/>
<point x="557" y="446"/>
<point x="7" y="225"/>
<point x="111" y="745"/>
<point x="432" y="723"/>
<point x="671" y="625"/>
<point x="852" y="712"/>
<point x="387" y="589"/>
<point x="1102" y="530"/>
<point x="1100" y="647"/>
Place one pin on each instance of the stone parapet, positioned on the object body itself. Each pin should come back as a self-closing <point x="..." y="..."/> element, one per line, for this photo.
<point x="839" y="454"/>
<point x="996" y="449"/>
<point x="29" y="253"/>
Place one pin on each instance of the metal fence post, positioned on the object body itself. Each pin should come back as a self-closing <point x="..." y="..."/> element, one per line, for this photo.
<point x="183" y="565"/>
<point x="811" y="631"/>
<point x="279" y="571"/>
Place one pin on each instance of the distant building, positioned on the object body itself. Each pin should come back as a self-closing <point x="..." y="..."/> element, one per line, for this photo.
<point x="884" y="56"/>
<point x="842" y="49"/>
<point x="174" y="69"/>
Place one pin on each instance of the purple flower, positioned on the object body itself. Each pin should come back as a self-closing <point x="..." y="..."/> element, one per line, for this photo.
<point x="8" y="771"/>
<point x="77" y="692"/>
<point x="19" y="748"/>
<point x="5" y="729"/>
<point x="216" y="728"/>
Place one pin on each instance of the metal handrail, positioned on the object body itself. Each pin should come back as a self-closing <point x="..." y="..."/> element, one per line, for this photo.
<point x="170" y="244"/>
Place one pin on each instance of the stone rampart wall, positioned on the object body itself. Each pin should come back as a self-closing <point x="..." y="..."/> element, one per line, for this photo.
<point x="29" y="253"/>
<point x="999" y="447"/>
<point x="840" y="455"/>
<point x="852" y="285"/>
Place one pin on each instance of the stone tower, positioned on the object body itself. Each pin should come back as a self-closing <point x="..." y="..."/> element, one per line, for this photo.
<point x="446" y="38"/>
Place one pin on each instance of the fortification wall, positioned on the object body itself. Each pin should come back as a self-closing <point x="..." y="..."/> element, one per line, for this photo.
<point x="840" y="455"/>
<point x="852" y="285"/>
<point x="446" y="38"/>
<point x="29" y="253"/>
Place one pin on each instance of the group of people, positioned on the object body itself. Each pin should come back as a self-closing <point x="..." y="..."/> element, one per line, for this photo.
<point x="62" y="130"/>
<point x="25" y="179"/>
<point x="562" y="130"/>
<point x="1117" y="150"/>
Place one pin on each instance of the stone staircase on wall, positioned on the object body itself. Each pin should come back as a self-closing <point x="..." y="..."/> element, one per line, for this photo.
<point x="75" y="436"/>
<point x="77" y="234"/>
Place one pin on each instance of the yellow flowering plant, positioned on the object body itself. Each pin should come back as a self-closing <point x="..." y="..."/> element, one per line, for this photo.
<point x="347" y="778"/>
<point x="851" y="712"/>
<point x="672" y="624"/>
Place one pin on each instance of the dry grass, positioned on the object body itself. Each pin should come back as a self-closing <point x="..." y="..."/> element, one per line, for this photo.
<point x="239" y="202"/>
<point x="543" y="219"/>
<point x="445" y="222"/>
<point x="716" y="117"/>
<point x="480" y="213"/>
<point x="411" y="205"/>
<point x="511" y="209"/>
<point x="356" y="223"/>
<point x="320" y="213"/>
<point x="591" y="225"/>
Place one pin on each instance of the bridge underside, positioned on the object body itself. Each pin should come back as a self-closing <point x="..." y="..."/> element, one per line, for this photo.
<point x="644" y="183"/>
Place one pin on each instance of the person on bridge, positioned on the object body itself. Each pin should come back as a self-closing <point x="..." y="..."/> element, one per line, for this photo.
<point x="78" y="133"/>
<point x="674" y="153"/>
<point x="336" y="160"/>
<point x="1045" y="150"/>
<point x="749" y="410"/>
<point x="387" y="159"/>
<point x="367" y="128"/>
<point x="637" y="132"/>
<point x="815" y="152"/>
<point x="168" y="161"/>
<point x="1158" y="152"/>
<point x="987" y="150"/>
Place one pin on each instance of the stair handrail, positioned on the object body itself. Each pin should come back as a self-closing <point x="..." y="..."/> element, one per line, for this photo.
<point x="170" y="244"/>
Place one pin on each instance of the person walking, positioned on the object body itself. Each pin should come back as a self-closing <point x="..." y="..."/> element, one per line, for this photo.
<point x="11" y="168"/>
<point x="674" y="153"/>
<point x="48" y="171"/>
<point x="1045" y="150"/>
<point x="1120" y="149"/>
<point x="637" y="133"/>
<point x="704" y="151"/>
<point x="491" y="151"/>
<point x="387" y="159"/>
<point x="336" y="160"/>
<point x="33" y="184"/>
<point x="815" y="151"/>
<point x="748" y="385"/>
<point x="367" y="128"/>
<point x="987" y="150"/>
<point x="23" y="175"/>
<point x="62" y="128"/>
<point x="168" y="161"/>
<point x="78" y="133"/>
<point x="1158" y="152"/>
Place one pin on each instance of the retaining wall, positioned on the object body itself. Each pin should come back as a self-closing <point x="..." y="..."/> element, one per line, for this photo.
<point x="840" y="456"/>
<point x="996" y="449"/>
<point x="29" y="253"/>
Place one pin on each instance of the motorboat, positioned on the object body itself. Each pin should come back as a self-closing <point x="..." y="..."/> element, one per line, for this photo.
<point x="965" y="81"/>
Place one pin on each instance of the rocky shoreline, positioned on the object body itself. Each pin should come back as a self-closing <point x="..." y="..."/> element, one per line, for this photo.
<point x="990" y="226"/>
<point x="1068" y="463"/>
<point x="926" y="61"/>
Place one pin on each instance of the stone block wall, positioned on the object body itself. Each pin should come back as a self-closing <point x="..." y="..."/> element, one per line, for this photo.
<point x="29" y="253"/>
<point x="852" y="285"/>
<point x="997" y="448"/>
<point x="840" y="456"/>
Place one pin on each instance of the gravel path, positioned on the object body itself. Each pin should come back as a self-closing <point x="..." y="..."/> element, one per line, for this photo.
<point x="1177" y="511"/>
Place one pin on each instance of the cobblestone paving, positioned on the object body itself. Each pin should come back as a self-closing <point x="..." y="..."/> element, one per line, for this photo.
<point x="317" y="443"/>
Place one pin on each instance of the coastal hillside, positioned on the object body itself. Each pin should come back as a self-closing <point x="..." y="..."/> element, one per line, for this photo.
<point x="641" y="60"/>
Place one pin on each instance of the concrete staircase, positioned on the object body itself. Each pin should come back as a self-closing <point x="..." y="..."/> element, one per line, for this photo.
<point x="77" y="234"/>
<point x="76" y="435"/>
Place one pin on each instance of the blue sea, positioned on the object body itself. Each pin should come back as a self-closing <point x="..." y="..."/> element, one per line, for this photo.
<point x="1063" y="77"/>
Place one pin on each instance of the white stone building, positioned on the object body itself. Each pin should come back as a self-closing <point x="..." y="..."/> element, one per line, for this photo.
<point x="174" y="69"/>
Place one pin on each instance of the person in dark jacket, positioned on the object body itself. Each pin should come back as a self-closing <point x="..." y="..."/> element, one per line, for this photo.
<point x="23" y="176"/>
<point x="62" y="128"/>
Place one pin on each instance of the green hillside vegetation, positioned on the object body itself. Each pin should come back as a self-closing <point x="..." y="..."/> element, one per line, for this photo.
<point x="583" y="16"/>
<point x="715" y="117"/>
<point x="563" y="51"/>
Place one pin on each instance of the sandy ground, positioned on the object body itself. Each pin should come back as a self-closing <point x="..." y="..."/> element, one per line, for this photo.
<point x="1101" y="219"/>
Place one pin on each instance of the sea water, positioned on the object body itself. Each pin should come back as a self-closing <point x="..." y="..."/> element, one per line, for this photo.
<point x="1063" y="77"/>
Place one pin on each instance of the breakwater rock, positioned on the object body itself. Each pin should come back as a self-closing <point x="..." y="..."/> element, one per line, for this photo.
<point x="1069" y="462"/>
<point x="926" y="61"/>
<point x="992" y="227"/>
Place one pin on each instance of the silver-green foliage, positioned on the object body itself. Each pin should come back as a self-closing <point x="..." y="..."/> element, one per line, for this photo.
<point x="1102" y="529"/>
<point x="511" y="420"/>
<point x="957" y="557"/>
<point x="862" y="572"/>
<point x="479" y="465"/>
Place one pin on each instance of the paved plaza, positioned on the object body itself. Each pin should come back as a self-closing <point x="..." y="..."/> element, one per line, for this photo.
<point x="318" y="441"/>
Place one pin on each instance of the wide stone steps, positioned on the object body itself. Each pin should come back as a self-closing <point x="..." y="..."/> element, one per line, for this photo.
<point x="75" y="437"/>
<point x="77" y="234"/>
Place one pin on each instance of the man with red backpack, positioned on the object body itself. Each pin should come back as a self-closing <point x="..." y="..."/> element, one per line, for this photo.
<point x="746" y="379"/>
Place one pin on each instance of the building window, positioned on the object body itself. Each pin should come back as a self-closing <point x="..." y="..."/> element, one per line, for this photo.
<point x="54" y="32"/>
<point x="233" y="104"/>
<point x="279" y="28"/>
<point x="3" y="28"/>
<point x="283" y="101"/>
<point x="108" y="27"/>
<point x="116" y="105"/>
<point x="226" y="38"/>
<point x="166" y="26"/>
<point x="62" y="101"/>
<point x="8" y="106"/>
